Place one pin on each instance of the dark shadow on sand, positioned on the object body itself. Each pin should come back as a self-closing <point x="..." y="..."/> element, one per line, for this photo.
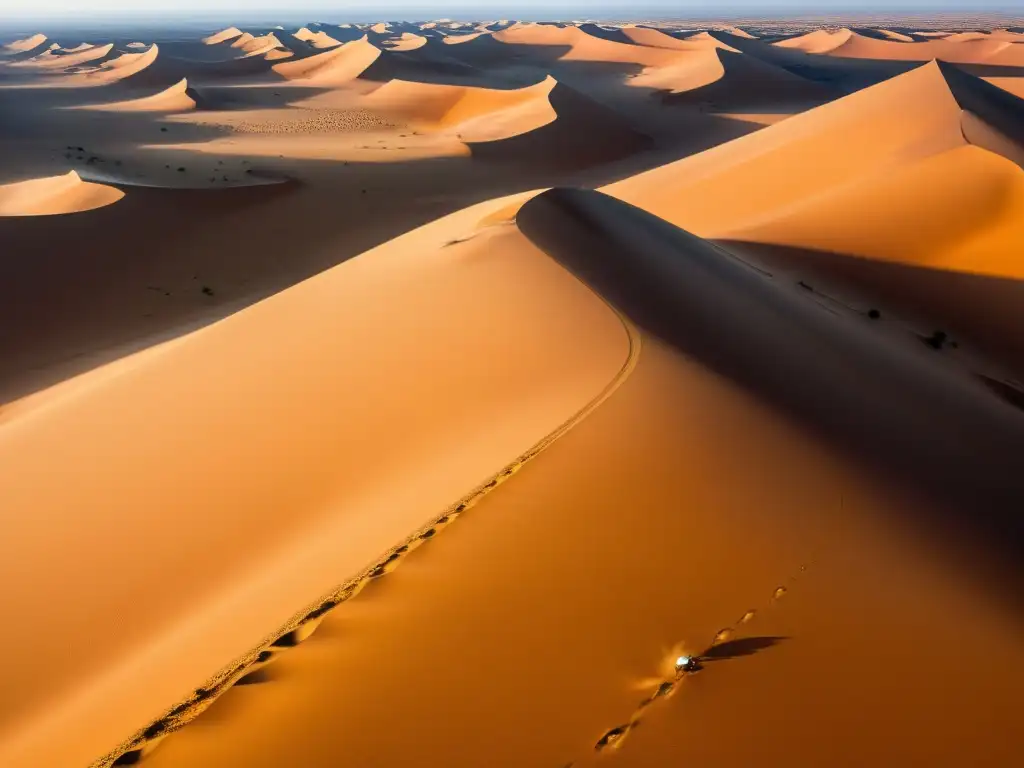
<point x="734" y="649"/>
<point x="894" y="408"/>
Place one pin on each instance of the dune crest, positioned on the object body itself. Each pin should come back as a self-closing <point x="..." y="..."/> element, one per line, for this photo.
<point x="818" y="41"/>
<point x="337" y="65"/>
<point x="318" y="39"/>
<point x="55" y="195"/>
<point x="26" y="44"/>
<point x="56" y="59"/>
<point x="224" y="35"/>
<point x="177" y="98"/>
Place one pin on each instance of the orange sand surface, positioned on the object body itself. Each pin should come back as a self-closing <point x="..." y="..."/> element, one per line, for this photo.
<point x="417" y="394"/>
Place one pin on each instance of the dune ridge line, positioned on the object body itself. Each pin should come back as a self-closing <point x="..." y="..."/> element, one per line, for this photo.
<point x="304" y="622"/>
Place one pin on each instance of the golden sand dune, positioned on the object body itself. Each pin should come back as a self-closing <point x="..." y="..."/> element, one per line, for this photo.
<point x="793" y="515"/>
<point x="723" y="77"/>
<point x="331" y="485"/>
<point x="898" y="36"/>
<point x="57" y="59"/>
<point x="224" y="35"/>
<point x="890" y="155"/>
<point x="407" y="42"/>
<point x="55" y="195"/>
<point x="548" y="123"/>
<point x="913" y="115"/>
<point x="255" y="46"/>
<point x="177" y="98"/>
<point x="449" y="106"/>
<point x="340" y="64"/>
<point x="585" y="47"/>
<point x="26" y="44"/>
<point x="818" y="41"/>
<point x="967" y="50"/>
<point x="122" y="67"/>
<point x="655" y="38"/>
<point x="319" y="39"/>
<point x="581" y="475"/>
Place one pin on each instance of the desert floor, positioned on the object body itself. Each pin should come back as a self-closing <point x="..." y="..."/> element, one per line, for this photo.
<point x="417" y="394"/>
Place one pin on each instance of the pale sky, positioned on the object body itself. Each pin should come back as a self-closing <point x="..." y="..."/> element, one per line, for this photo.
<point x="394" y="9"/>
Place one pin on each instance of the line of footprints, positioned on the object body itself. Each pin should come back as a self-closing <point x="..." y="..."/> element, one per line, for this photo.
<point x="250" y="669"/>
<point x="724" y="645"/>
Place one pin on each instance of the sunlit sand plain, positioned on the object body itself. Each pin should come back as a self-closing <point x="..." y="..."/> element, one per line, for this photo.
<point x="420" y="394"/>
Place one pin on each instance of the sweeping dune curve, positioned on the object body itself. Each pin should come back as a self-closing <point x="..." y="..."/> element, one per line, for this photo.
<point x="508" y="393"/>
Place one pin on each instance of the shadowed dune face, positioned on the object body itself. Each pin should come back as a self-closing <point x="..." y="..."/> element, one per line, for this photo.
<point x="685" y="291"/>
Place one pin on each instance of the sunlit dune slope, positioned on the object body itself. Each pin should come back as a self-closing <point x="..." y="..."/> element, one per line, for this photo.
<point x="857" y="138"/>
<point x="224" y="35"/>
<point x="654" y="38"/>
<point x="25" y="44"/>
<point x="55" y="195"/>
<point x="818" y="41"/>
<point x="318" y="39"/>
<point x="547" y="123"/>
<point x="902" y="173"/>
<point x="339" y="64"/>
<point x="57" y="59"/>
<point x="450" y="106"/>
<point x="691" y="501"/>
<point x="178" y="98"/>
<point x="354" y="393"/>
<point x="573" y="44"/>
<point x="963" y="49"/>
<point x="724" y="78"/>
<point x="123" y="67"/>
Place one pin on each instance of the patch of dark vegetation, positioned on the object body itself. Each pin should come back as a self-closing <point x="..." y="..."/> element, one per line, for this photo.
<point x="874" y="314"/>
<point x="207" y="290"/>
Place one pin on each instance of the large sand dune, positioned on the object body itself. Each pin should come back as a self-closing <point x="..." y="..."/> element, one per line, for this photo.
<point x="177" y="98"/>
<point x="340" y="64"/>
<point x="562" y="351"/>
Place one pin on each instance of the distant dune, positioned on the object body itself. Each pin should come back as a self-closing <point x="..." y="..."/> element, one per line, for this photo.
<point x="177" y="98"/>
<point x="339" y="64"/>
<point x="25" y="44"/>
<point x="55" y="195"/>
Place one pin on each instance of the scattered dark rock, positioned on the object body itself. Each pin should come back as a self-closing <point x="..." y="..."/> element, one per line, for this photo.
<point x="874" y="314"/>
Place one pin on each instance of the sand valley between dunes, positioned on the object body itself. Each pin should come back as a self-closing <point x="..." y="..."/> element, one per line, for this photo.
<point x="421" y="393"/>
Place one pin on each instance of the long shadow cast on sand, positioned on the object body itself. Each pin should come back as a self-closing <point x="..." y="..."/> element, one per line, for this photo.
<point x="936" y="432"/>
<point x="734" y="649"/>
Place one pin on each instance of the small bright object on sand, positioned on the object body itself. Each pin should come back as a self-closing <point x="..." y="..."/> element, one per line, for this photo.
<point x="686" y="664"/>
